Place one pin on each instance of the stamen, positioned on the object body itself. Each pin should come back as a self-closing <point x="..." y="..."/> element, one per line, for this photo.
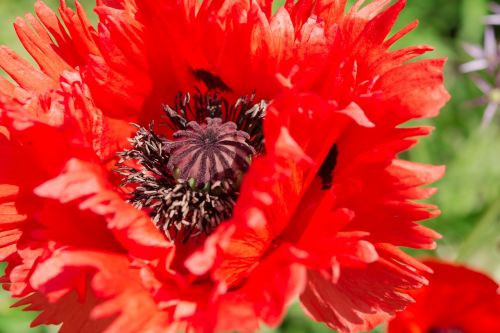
<point x="189" y="183"/>
<point x="192" y="212"/>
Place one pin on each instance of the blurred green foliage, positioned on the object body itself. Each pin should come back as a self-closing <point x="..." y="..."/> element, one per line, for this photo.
<point x="469" y="194"/>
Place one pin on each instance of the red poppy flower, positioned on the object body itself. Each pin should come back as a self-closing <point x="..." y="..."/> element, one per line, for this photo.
<point x="261" y="167"/>
<point x="457" y="300"/>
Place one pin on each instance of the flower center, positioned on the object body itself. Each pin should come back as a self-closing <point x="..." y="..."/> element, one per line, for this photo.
<point x="494" y="95"/>
<point x="189" y="182"/>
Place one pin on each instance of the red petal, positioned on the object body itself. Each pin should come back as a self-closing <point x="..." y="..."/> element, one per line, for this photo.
<point x="85" y="182"/>
<point x="361" y="299"/>
<point x="24" y="73"/>
<point x="121" y="296"/>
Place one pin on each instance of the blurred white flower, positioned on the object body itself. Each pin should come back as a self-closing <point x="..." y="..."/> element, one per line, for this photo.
<point x="484" y="68"/>
<point x="485" y="57"/>
<point x="493" y="19"/>
<point x="491" y="98"/>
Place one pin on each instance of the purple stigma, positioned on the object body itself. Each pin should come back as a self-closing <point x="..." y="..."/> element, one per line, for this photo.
<point x="209" y="152"/>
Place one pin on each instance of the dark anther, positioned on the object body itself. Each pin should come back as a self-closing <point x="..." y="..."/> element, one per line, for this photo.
<point x="327" y="168"/>
<point x="189" y="182"/>
<point x="210" y="80"/>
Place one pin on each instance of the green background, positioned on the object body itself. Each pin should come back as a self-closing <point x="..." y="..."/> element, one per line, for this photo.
<point x="469" y="194"/>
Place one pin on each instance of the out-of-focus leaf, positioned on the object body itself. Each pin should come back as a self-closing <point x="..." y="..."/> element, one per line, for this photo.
<point x="472" y="13"/>
<point x="481" y="249"/>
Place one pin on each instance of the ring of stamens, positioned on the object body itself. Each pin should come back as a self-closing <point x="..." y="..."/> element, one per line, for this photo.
<point x="190" y="183"/>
